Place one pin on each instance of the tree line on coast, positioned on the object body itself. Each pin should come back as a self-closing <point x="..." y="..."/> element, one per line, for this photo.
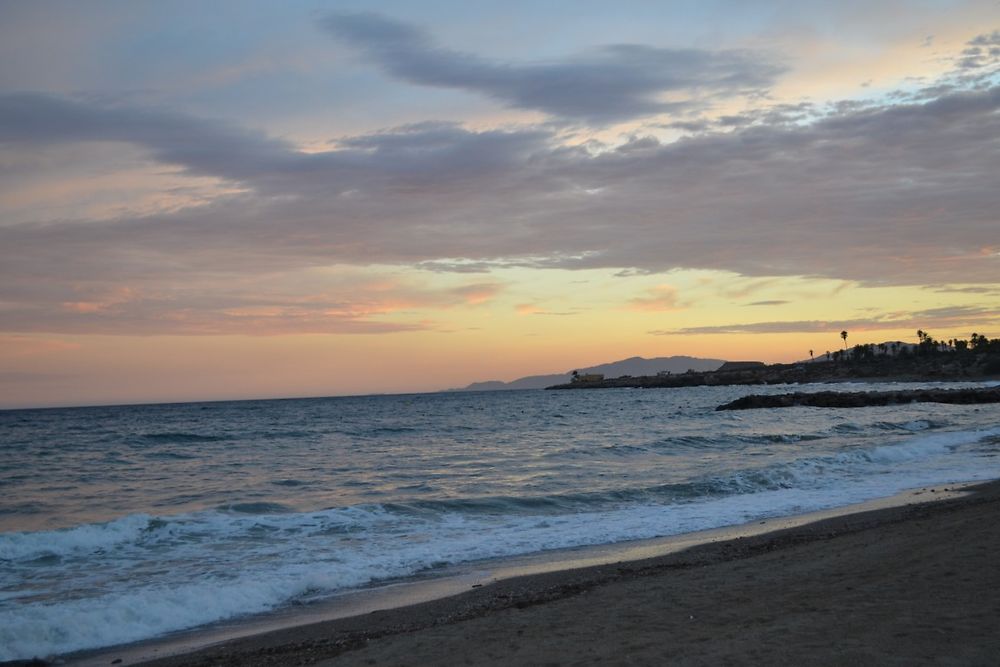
<point x="927" y="346"/>
<point x="929" y="359"/>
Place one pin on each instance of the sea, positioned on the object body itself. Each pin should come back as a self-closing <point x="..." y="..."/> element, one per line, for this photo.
<point x="120" y="524"/>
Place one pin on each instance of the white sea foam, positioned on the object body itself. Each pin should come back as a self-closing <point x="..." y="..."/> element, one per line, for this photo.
<point x="40" y="630"/>
<point x="85" y="539"/>
<point x="138" y="576"/>
<point x="929" y="445"/>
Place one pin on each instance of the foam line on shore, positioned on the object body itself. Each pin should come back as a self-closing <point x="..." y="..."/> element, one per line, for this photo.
<point x="456" y="581"/>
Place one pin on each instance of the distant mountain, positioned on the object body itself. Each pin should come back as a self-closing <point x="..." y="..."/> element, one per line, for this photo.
<point x="632" y="366"/>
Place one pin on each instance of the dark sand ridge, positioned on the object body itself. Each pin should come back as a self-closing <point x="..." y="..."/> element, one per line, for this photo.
<point x="916" y="584"/>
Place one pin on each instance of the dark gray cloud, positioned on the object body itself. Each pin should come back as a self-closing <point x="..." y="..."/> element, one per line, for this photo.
<point x="425" y="155"/>
<point x="970" y="290"/>
<point x="898" y="194"/>
<point x="613" y="83"/>
<point x="145" y="319"/>
<point x="935" y="317"/>
<point x="202" y="146"/>
<point x="776" y="115"/>
<point x="982" y="51"/>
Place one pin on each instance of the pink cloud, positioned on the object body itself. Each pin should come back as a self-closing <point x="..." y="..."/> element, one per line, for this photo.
<point x="660" y="298"/>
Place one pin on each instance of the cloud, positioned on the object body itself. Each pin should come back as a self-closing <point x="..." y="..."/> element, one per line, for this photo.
<point x="31" y="346"/>
<point x="107" y="302"/>
<point x="772" y="302"/>
<point x="527" y="309"/>
<point x="427" y="155"/>
<point x="659" y="298"/>
<point x="202" y="146"/>
<point x="899" y="193"/>
<point x="612" y="83"/>
<point x="981" y="51"/>
<point x="740" y="289"/>
<point x="216" y="316"/>
<point x="969" y="290"/>
<point x="936" y="317"/>
<point x="30" y="377"/>
<point x="268" y="304"/>
<point x="478" y="293"/>
<point x="534" y="309"/>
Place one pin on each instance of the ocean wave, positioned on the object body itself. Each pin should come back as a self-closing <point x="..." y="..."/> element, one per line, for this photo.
<point x="171" y="437"/>
<point x="86" y="538"/>
<point x="256" y="508"/>
<point x="912" y="425"/>
<point x="171" y="456"/>
<point x="249" y="557"/>
<point x="236" y="519"/>
<point x="288" y="482"/>
<point x="341" y="548"/>
<point x="47" y="629"/>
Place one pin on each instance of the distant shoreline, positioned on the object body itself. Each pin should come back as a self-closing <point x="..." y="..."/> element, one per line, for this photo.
<point x="943" y="367"/>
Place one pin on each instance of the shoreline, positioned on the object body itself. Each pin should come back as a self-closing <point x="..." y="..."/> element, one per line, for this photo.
<point x="939" y="367"/>
<point x="486" y="590"/>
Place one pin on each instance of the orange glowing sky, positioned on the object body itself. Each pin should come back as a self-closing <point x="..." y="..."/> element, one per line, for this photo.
<point x="255" y="200"/>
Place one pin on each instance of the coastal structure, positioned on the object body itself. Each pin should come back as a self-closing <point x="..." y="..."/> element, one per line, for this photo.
<point x="954" y="360"/>
<point x="741" y="365"/>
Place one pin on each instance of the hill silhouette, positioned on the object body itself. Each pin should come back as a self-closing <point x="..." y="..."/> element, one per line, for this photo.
<point x="633" y="366"/>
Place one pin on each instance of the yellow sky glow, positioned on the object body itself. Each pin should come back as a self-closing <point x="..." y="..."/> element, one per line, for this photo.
<point x="517" y="326"/>
<point x="180" y="229"/>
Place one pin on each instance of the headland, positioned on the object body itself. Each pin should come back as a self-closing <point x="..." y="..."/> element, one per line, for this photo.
<point x="935" y="366"/>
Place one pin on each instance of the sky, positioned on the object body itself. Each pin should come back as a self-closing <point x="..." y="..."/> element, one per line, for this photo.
<point x="241" y="199"/>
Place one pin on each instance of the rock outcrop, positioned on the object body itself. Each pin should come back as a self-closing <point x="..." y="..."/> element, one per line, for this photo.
<point x="860" y="399"/>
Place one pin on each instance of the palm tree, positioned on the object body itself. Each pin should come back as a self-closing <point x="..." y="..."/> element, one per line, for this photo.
<point x="843" y="334"/>
<point x="811" y="356"/>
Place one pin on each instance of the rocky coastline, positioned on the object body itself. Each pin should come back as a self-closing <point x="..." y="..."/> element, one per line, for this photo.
<point x="860" y="399"/>
<point x="955" y="366"/>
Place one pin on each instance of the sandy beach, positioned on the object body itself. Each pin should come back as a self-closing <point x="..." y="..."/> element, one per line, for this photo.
<point x="916" y="584"/>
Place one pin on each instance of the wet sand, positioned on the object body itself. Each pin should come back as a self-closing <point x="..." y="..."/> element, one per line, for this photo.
<point x="917" y="584"/>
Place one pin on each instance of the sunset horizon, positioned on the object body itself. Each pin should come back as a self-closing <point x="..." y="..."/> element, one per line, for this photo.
<point x="256" y="201"/>
<point x="355" y="332"/>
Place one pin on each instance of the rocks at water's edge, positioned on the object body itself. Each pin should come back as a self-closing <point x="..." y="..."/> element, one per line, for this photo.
<point x="860" y="399"/>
